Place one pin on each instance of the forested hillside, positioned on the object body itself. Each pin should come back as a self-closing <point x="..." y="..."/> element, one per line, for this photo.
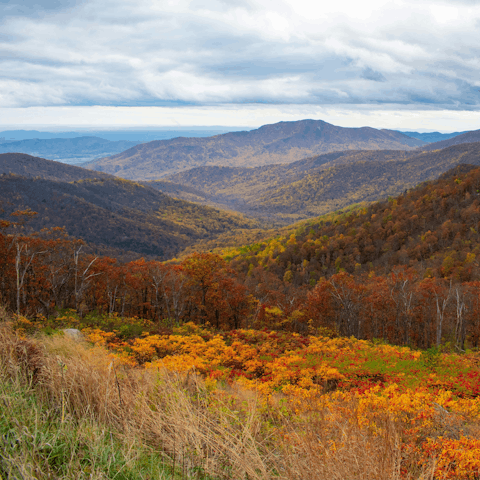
<point x="284" y="142"/>
<point x="419" y="228"/>
<point x="31" y="167"/>
<point x="321" y="184"/>
<point x="116" y="215"/>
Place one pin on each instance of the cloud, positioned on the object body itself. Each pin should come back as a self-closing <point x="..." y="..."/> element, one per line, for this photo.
<point x="191" y="52"/>
<point x="370" y="74"/>
<point x="34" y="8"/>
<point x="393" y="116"/>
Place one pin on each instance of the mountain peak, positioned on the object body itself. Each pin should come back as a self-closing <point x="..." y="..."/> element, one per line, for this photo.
<point x="282" y="142"/>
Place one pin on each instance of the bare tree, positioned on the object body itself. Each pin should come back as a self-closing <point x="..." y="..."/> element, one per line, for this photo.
<point x="81" y="278"/>
<point x="23" y="259"/>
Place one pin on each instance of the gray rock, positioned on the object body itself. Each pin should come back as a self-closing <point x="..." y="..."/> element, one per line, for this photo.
<point x="74" y="334"/>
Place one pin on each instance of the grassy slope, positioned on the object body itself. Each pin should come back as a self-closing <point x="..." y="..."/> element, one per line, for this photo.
<point x="39" y="443"/>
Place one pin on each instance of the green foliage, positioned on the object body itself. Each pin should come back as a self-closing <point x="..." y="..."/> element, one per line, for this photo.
<point x="431" y="357"/>
<point x="38" y="443"/>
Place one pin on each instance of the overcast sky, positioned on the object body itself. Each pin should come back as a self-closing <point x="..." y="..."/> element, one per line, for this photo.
<point x="395" y="64"/>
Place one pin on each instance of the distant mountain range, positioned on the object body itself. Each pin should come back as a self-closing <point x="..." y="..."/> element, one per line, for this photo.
<point x="430" y="137"/>
<point x="74" y="148"/>
<point x="283" y="142"/>
<point x="130" y="134"/>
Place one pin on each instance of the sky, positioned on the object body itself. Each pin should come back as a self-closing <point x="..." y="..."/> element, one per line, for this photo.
<point x="410" y="65"/>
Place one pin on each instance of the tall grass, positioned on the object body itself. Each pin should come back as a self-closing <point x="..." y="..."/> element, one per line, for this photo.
<point x="79" y="413"/>
<point x="36" y="444"/>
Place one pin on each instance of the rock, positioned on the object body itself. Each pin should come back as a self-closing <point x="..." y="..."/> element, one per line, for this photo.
<point x="74" y="334"/>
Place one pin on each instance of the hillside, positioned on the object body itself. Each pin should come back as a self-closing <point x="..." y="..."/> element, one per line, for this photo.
<point x="433" y="227"/>
<point x="31" y="167"/>
<point x="321" y="184"/>
<point x="116" y="215"/>
<point x="284" y="142"/>
<point x="68" y="150"/>
<point x="348" y="409"/>
<point x="342" y="185"/>
<point x="468" y="137"/>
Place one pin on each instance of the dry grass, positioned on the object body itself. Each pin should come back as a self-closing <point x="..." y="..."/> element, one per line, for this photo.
<point x="224" y="434"/>
<point x="173" y="414"/>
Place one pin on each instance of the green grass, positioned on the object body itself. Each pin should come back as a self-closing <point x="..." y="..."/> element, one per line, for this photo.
<point x="36" y="444"/>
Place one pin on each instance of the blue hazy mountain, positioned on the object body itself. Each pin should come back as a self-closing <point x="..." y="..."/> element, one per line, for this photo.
<point x="130" y="134"/>
<point x="430" y="137"/>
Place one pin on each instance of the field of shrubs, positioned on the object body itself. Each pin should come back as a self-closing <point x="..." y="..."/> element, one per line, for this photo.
<point x="265" y="403"/>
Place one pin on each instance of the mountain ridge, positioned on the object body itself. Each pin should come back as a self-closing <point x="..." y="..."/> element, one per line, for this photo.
<point x="430" y="137"/>
<point x="468" y="137"/>
<point x="283" y="142"/>
<point x="30" y="166"/>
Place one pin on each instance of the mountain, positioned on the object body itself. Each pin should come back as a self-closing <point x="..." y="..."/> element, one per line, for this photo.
<point x="321" y="184"/>
<point x="468" y="137"/>
<point x="110" y="214"/>
<point x="283" y="142"/>
<point x="31" y="167"/>
<point x="68" y="150"/>
<point x="430" y="137"/>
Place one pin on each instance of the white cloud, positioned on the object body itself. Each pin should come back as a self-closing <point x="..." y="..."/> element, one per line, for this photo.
<point x="387" y="116"/>
<point x="410" y="53"/>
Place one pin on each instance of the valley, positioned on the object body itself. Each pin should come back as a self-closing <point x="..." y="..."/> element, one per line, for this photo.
<point x="287" y="193"/>
<point x="158" y="219"/>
